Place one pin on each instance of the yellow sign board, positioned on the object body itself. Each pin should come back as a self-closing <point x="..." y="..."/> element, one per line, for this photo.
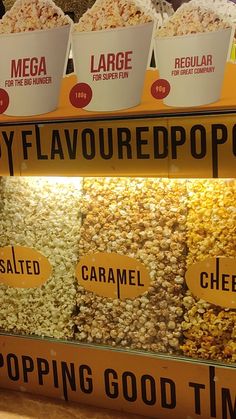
<point x="164" y="147"/>
<point x="155" y="386"/>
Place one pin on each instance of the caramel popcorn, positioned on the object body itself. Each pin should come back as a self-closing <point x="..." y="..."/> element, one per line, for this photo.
<point x="31" y="15"/>
<point x="144" y="219"/>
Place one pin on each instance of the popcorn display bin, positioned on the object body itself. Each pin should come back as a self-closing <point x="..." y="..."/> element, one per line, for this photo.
<point x="131" y="276"/>
<point x="119" y="291"/>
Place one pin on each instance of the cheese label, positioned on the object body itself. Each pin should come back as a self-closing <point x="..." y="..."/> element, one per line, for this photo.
<point x="22" y="267"/>
<point x="214" y="280"/>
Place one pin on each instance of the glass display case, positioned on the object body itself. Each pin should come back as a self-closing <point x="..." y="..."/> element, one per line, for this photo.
<point x="117" y="271"/>
<point x="118" y="205"/>
<point x="167" y="226"/>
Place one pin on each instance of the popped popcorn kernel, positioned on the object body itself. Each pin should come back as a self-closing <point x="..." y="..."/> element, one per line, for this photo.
<point x="134" y="217"/>
<point x="192" y="18"/>
<point x="42" y="214"/>
<point x="31" y="15"/>
<point x="209" y="330"/>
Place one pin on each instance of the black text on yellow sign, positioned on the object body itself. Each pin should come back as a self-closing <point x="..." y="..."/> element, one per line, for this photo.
<point x="112" y="275"/>
<point x="23" y="267"/>
<point x="158" y="387"/>
<point x="214" y="280"/>
<point x="187" y="147"/>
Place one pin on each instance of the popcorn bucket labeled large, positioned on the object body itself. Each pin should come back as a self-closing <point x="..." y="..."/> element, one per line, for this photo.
<point x="194" y="66"/>
<point x="31" y="69"/>
<point x="113" y="63"/>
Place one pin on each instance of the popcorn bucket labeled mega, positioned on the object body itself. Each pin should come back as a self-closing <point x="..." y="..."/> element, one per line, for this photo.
<point x="31" y="69"/>
<point x="113" y="63"/>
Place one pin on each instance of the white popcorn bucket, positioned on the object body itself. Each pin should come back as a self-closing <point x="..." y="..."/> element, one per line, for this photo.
<point x="31" y="69"/>
<point x="113" y="63"/>
<point x="194" y="66"/>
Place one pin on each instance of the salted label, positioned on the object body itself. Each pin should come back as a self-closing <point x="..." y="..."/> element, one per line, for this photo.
<point x="23" y="267"/>
<point x="113" y="275"/>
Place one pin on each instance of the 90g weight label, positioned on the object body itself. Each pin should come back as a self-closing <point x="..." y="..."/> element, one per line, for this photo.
<point x="160" y="89"/>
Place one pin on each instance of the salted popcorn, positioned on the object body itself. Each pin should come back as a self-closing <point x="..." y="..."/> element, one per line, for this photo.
<point x="108" y="14"/>
<point x="160" y="10"/>
<point x="31" y="15"/>
<point x="192" y="18"/>
<point x="42" y="214"/>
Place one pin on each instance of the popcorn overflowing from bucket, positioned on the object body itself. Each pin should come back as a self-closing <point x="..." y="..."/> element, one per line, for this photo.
<point x="108" y="14"/>
<point x="192" y="18"/>
<point x="31" y="15"/>
<point x="224" y="7"/>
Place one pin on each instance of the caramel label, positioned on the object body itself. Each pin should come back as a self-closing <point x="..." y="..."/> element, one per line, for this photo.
<point x="112" y="275"/>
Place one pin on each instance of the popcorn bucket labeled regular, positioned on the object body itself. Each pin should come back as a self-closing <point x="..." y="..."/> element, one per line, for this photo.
<point x="194" y="66"/>
<point x="113" y="63"/>
<point x="31" y="69"/>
